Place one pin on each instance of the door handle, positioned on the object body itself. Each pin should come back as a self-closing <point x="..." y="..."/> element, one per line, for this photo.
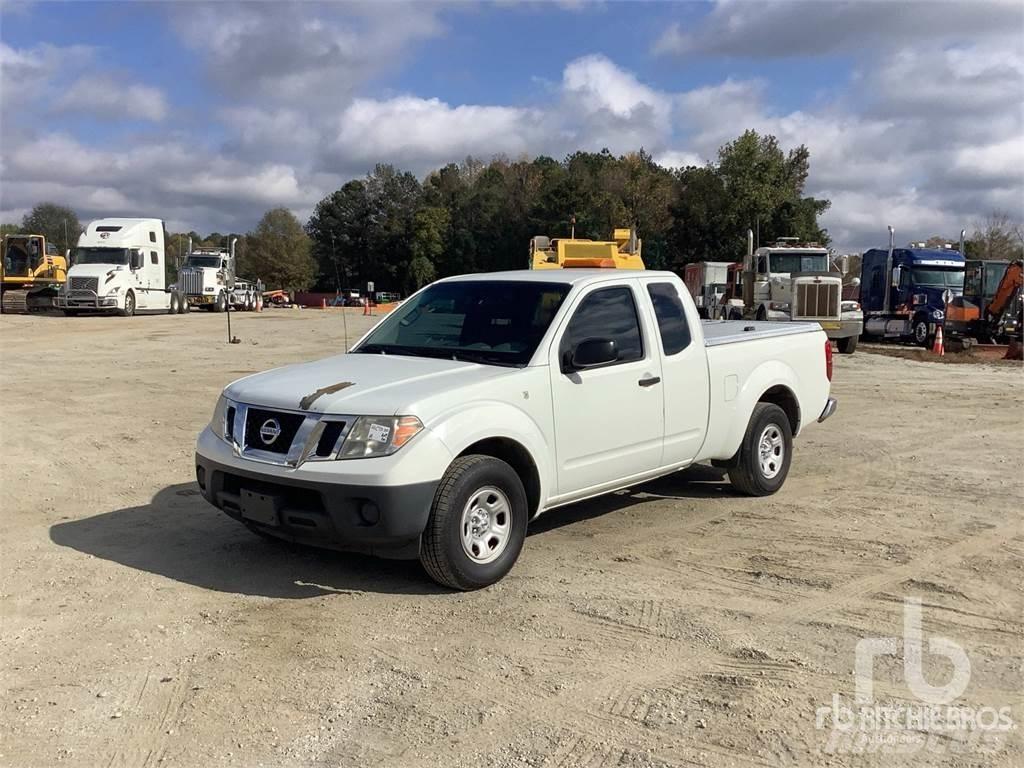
<point x="649" y="382"/>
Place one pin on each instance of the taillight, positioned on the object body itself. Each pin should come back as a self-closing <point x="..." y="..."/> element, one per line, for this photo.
<point x="828" y="359"/>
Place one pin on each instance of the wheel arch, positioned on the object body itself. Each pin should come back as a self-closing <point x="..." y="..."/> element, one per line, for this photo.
<point x="517" y="456"/>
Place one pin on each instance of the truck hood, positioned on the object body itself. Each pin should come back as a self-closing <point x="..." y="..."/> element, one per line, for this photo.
<point x="94" y="270"/>
<point x="360" y="384"/>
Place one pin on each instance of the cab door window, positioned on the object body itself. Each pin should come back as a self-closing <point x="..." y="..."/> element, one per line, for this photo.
<point x="607" y="313"/>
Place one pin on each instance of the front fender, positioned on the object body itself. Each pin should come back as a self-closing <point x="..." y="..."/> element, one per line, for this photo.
<point x="731" y="424"/>
<point x="460" y="428"/>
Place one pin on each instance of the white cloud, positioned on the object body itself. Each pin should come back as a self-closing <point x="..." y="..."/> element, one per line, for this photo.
<point x="111" y="98"/>
<point x="328" y="51"/>
<point x="787" y="28"/>
<point x="423" y="133"/>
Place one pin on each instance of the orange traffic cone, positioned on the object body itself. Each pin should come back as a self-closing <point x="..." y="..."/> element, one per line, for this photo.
<point x="938" y="347"/>
<point x="366" y="306"/>
<point x="259" y="303"/>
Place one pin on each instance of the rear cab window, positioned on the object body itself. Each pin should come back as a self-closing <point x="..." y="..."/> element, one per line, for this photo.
<point x="671" y="315"/>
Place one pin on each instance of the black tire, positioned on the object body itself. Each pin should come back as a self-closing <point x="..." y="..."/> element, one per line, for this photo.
<point x="129" y="305"/>
<point x="847" y="346"/>
<point x="182" y="304"/>
<point x="442" y="553"/>
<point x="748" y="477"/>
<point x="222" y="302"/>
<point x="921" y="336"/>
<point x="762" y="314"/>
<point x="175" y="306"/>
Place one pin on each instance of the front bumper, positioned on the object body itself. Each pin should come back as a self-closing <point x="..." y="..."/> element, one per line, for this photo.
<point x="846" y="329"/>
<point x="380" y="520"/>
<point x="87" y="300"/>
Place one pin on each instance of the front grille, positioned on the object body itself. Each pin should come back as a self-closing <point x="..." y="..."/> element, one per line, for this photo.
<point x="817" y="300"/>
<point x="325" y="445"/>
<point x="288" y="423"/>
<point x="85" y="284"/>
<point x="192" y="282"/>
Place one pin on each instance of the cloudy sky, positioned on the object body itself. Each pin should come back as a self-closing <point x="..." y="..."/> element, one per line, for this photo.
<point x="208" y="114"/>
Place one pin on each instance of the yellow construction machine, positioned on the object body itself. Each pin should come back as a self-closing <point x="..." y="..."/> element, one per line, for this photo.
<point x="621" y="252"/>
<point x="32" y="272"/>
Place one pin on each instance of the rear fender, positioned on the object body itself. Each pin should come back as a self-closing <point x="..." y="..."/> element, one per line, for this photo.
<point x="736" y="413"/>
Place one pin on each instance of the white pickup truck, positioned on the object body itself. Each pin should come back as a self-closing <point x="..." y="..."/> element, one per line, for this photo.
<point x="485" y="400"/>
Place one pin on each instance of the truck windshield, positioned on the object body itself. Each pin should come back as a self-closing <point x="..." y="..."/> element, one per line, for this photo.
<point x="491" y="322"/>
<point x="788" y="263"/>
<point x="202" y="261"/>
<point x="101" y="256"/>
<point x="939" y="278"/>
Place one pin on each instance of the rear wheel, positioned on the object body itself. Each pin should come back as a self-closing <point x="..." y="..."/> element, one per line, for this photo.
<point x="477" y="524"/>
<point x="762" y="462"/>
<point x="847" y="346"/>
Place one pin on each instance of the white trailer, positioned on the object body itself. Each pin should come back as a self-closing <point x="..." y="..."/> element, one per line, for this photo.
<point x="118" y="266"/>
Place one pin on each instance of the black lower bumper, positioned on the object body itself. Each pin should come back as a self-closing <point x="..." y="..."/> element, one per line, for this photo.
<point x="380" y="520"/>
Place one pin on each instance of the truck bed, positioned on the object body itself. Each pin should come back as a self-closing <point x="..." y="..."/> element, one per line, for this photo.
<point x="718" y="332"/>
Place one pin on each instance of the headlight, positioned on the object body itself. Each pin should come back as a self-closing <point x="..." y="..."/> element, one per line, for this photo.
<point x="219" y="412"/>
<point x="379" y="436"/>
<point x="851" y="306"/>
<point x="778" y="306"/>
<point x="938" y="314"/>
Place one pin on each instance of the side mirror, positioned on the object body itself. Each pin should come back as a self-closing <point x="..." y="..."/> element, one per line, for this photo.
<point x="591" y="353"/>
<point x="855" y="282"/>
<point x="897" y="273"/>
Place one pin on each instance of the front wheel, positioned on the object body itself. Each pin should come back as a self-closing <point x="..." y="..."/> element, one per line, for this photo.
<point x="847" y="346"/>
<point x="762" y="462"/>
<point x="921" y="333"/>
<point x="222" y="302"/>
<point x="175" y="305"/>
<point x="477" y="524"/>
<point x="129" y="305"/>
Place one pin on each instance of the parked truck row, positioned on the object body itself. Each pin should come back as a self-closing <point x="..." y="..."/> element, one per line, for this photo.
<point x="119" y="266"/>
<point x="902" y="294"/>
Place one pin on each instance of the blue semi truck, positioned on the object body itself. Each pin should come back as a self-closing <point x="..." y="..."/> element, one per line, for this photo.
<point x="904" y="291"/>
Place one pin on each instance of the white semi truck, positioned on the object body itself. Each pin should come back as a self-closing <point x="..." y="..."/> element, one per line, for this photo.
<point x="207" y="279"/>
<point x="792" y="280"/>
<point x="118" y="266"/>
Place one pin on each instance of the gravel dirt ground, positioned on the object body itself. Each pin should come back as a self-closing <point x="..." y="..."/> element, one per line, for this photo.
<point x="673" y="624"/>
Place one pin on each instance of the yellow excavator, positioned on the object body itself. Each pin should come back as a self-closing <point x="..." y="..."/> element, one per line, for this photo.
<point x="32" y="272"/>
<point x="621" y="252"/>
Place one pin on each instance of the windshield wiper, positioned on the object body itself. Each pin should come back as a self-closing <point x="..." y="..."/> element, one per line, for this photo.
<point x="485" y="358"/>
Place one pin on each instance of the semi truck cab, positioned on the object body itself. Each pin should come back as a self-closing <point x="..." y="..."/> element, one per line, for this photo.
<point x="904" y="291"/>
<point x="118" y="266"/>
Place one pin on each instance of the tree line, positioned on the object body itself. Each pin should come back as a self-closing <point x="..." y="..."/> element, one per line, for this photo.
<point x="400" y="233"/>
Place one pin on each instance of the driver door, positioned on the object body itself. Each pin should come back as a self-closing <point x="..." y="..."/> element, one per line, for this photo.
<point x="609" y="419"/>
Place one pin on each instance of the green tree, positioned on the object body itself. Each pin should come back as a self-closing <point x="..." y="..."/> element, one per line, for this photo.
<point x="754" y="185"/>
<point x="58" y="223"/>
<point x="278" y="252"/>
<point x="430" y="230"/>
<point x="339" y="229"/>
<point x="9" y="229"/>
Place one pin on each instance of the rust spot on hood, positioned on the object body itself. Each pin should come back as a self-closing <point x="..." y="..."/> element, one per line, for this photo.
<point x="330" y="389"/>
